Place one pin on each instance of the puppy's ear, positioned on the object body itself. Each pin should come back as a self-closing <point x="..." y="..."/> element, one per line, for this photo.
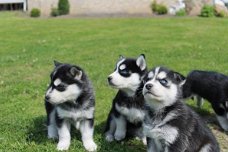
<point x="141" y="62"/>
<point x="77" y="74"/>
<point x="179" y="78"/>
<point x="56" y="63"/>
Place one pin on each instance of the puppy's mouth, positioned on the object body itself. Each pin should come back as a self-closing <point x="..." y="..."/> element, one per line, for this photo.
<point x="150" y="93"/>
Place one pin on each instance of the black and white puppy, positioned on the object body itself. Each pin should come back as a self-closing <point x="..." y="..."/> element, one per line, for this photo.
<point x="212" y="86"/>
<point x="70" y="100"/>
<point x="170" y="125"/>
<point x="126" y="115"/>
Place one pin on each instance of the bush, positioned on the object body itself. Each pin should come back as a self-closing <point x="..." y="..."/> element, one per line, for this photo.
<point x="161" y="9"/>
<point x="207" y="11"/>
<point x="154" y="5"/>
<point x="221" y="14"/>
<point x="181" y="12"/>
<point x="63" y="7"/>
<point x="54" y="12"/>
<point x="158" y="8"/>
<point x="35" y="12"/>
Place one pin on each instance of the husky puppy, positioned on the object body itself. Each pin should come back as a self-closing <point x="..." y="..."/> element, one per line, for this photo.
<point x="212" y="86"/>
<point x="69" y="100"/>
<point x="170" y="125"/>
<point x="127" y="111"/>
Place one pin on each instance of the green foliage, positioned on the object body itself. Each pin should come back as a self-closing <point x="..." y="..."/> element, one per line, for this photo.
<point x="207" y="11"/>
<point x="154" y="6"/>
<point x="220" y="14"/>
<point x="54" y="12"/>
<point x="181" y="12"/>
<point x="63" y="7"/>
<point x="35" y="12"/>
<point x="158" y="8"/>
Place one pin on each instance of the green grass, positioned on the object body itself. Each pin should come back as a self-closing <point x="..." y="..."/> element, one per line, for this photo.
<point x="28" y="47"/>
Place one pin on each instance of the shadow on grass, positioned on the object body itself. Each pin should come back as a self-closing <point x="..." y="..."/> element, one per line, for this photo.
<point x="209" y="118"/>
<point x="129" y="144"/>
<point x="37" y="133"/>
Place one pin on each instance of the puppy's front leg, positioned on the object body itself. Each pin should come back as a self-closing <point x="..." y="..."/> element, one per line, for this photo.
<point x="120" y="132"/>
<point x="86" y="129"/>
<point x="64" y="135"/>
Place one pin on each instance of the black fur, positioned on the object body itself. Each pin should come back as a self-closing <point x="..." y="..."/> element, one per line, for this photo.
<point x="122" y="99"/>
<point x="172" y="125"/>
<point x="212" y="86"/>
<point x="78" y="109"/>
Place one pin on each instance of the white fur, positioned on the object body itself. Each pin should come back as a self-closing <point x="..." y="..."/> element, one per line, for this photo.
<point x="167" y="133"/>
<point x="128" y="84"/>
<point x="159" y="95"/>
<point x="123" y="66"/>
<point x="87" y="136"/>
<point x="77" y="114"/>
<point x="223" y="121"/>
<point x="151" y="75"/>
<point x="120" y="132"/>
<point x="64" y="136"/>
<point x="70" y="94"/>
<point x="161" y="75"/>
<point x="57" y="82"/>
<point x="206" y="148"/>
<point x="52" y="128"/>
<point x="132" y="114"/>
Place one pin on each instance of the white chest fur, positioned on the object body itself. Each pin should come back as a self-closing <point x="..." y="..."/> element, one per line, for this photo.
<point x="76" y="114"/>
<point x="133" y="115"/>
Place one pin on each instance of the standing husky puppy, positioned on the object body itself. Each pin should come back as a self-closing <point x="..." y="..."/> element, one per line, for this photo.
<point x="169" y="125"/>
<point x="212" y="86"/>
<point x="70" y="100"/>
<point x="127" y="108"/>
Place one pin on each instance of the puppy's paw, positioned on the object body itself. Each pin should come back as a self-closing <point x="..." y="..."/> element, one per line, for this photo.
<point x="119" y="135"/>
<point x="90" y="146"/>
<point x="63" y="146"/>
<point x="109" y="137"/>
<point x="144" y="141"/>
<point x="52" y="133"/>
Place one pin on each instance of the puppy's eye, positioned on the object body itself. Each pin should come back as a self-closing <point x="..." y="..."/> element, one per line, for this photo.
<point x="163" y="82"/>
<point x="60" y="87"/>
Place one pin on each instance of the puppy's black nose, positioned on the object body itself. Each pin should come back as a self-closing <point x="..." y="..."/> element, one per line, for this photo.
<point x="47" y="98"/>
<point x="109" y="79"/>
<point x="149" y="86"/>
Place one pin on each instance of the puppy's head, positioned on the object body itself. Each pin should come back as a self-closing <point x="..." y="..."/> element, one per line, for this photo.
<point x="66" y="83"/>
<point x="162" y="87"/>
<point x="128" y="73"/>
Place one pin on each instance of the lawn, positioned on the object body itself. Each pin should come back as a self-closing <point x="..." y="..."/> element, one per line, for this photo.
<point x="29" y="46"/>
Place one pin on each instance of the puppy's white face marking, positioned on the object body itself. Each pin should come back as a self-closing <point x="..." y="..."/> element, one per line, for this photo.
<point x="126" y="83"/>
<point x="71" y="93"/>
<point x="161" y="75"/>
<point x="151" y="75"/>
<point x="57" y="82"/>
<point x="163" y="92"/>
<point x="122" y="67"/>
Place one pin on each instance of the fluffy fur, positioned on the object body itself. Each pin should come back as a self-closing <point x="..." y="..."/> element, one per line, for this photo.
<point x="171" y="126"/>
<point x="69" y="100"/>
<point x="127" y="113"/>
<point x="212" y="86"/>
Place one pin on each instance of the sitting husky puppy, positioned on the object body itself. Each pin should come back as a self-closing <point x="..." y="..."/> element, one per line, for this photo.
<point x="127" y="113"/>
<point x="70" y="100"/>
<point x="169" y="125"/>
<point x="212" y="86"/>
